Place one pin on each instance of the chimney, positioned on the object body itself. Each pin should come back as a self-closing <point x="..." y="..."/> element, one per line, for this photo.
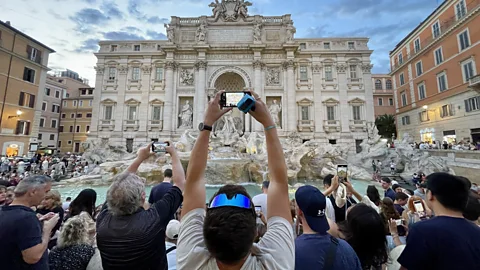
<point x="7" y="23"/>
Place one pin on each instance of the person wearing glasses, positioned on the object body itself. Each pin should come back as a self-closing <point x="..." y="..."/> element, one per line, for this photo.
<point x="222" y="236"/>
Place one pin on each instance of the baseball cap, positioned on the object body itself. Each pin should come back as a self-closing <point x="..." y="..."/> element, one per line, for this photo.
<point x="313" y="204"/>
<point x="172" y="229"/>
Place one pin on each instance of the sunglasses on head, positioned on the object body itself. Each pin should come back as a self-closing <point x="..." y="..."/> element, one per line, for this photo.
<point x="238" y="200"/>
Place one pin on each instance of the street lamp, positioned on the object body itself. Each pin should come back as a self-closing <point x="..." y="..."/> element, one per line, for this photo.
<point x="425" y="107"/>
<point x="19" y="112"/>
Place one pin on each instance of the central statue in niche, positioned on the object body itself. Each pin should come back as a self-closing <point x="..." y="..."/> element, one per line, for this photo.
<point x="230" y="10"/>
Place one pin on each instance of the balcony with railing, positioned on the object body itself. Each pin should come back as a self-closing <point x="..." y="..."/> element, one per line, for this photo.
<point x="155" y="125"/>
<point x="306" y="125"/>
<point x="331" y="125"/>
<point x="130" y="124"/>
<point x="474" y="83"/>
<point x="356" y="125"/>
<point x="106" y="124"/>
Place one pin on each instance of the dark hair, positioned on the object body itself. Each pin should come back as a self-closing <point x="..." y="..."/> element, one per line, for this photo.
<point x="68" y="199"/>
<point x="388" y="210"/>
<point x="265" y="184"/>
<point x="85" y="201"/>
<point x="229" y="232"/>
<point x="472" y="210"/>
<point x="466" y="180"/>
<point x="386" y="180"/>
<point x="451" y="191"/>
<point x="409" y="191"/>
<point x="168" y="173"/>
<point x="401" y="196"/>
<point x="327" y="180"/>
<point x="364" y="230"/>
<point x="373" y="195"/>
<point x="395" y="186"/>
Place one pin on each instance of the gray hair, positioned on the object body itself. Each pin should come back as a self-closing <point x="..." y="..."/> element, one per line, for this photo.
<point x="73" y="232"/>
<point x="31" y="182"/>
<point x="124" y="196"/>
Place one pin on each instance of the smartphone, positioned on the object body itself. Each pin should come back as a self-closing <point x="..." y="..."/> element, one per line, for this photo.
<point x="160" y="147"/>
<point x="342" y="172"/>
<point x="398" y="222"/>
<point x="258" y="209"/>
<point x="418" y="206"/>
<point x="231" y="99"/>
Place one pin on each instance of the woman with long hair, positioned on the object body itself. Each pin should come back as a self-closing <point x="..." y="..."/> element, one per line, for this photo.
<point x="364" y="230"/>
<point x="52" y="203"/>
<point x="411" y="215"/>
<point x="389" y="213"/>
<point x="84" y="207"/>
<point x="372" y="198"/>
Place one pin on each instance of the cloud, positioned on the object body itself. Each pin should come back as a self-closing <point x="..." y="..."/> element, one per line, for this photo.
<point x="90" y="1"/>
<point x="156" y="35"/>
<point x="130" y="29"/>
<point x="111" y="9"/>
<point x="87" y="18"/>
<point x="157" y="20"/>
<point x="375" y="8"/>
<point x="88" y="46"/>
<point x="122" y="35"/>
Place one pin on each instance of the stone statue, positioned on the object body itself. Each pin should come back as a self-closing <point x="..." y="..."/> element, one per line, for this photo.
<point x="273" y="76"/>
<point x="186" y="77"/>
<point x="217" y="10"/>
<point x="275" y="110"/>
<point x="242" y="9"/>
<point x="186" y="115"/>
<point x="257" y="32"/>
<point x="229" y="128"/>
<point x="202" y="32"/>
<point x="290" y="32"/>
<point x="170" y="32"/>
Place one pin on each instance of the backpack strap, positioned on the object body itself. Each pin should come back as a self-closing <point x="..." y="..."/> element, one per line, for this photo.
<point x="331" y="254"/>
<point x="170" y="249"/>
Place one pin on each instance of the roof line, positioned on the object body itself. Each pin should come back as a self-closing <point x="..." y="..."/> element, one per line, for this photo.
<point x="25" y="35"/>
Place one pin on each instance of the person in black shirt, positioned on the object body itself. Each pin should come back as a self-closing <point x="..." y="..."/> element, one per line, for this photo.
<point x="161" y="189"/>
<point x="128" y="236"/>
<point x="340" y="212"/>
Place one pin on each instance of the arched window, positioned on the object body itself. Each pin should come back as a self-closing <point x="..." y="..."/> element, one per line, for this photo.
<point x="378" y="85"/>
<point x="389" y="84"/>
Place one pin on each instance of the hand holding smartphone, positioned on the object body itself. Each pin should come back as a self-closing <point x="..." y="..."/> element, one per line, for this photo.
<point x="342" y="172"/>
<point x="258" y="210"/>
<point x="160" y="147"/>
<point x="242" y="100"/>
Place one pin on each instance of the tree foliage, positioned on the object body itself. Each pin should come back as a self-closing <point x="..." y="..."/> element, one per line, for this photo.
<point x="386" y="126"/>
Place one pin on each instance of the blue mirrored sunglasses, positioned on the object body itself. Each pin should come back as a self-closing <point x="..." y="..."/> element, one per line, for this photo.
<point x="238" y="200"/>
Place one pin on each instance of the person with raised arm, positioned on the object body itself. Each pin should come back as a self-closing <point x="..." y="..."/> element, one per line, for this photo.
<point x="222" y="236"/>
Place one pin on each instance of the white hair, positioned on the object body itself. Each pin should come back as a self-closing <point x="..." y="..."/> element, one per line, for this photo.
<point x="31" y="182"/>
<point x="124" y="196"/>
<point x="73" y="232"/>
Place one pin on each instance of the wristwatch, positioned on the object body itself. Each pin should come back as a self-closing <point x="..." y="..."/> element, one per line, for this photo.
<point x="202" y="127"/>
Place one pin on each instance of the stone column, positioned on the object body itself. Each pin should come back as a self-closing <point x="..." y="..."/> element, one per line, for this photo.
<point x="200" y="99"/>
<point x="96" y="105"/>
<point x="257" y="66"/>
<point x="144" y="111"/>
<point x="291" y="112"/>
<point x="369" y="102"/>
<point x="318" y="113"/>
<point x="119" y="111"/>
<point x="169" y="113"/>
<point x="344" y="110"/>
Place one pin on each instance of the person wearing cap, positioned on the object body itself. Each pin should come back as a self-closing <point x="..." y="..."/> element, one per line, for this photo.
<point x="171" y="236"/>
<point x="261" y="199"/>
<point x="316" y="248"/>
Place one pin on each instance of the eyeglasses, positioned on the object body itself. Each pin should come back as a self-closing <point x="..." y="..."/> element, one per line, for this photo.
<point x="238" y="200"/>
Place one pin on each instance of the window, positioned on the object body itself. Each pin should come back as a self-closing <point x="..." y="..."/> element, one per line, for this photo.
<point x="42" y="122"/>
<point x="389" y="84"/>
<point x="47" y="91"/>
<point x="113" y="48"/>
<point x="55" y="108"/>
<point x="79" y="115"/>
<point x="135" y="74"/>
<point x="87" y="129"/>
<point x="132" y="113"/>
<point x="71" y="128"/>
<point x="406" y="120"/>
<point x="64" y="116"/>
<point x="402" y="79"/>
<point x="423" y="116"/>
<point x="54" y="123"/>
<point x="442" y="81"/>
<point x="438" y="56"/>
<point x="326" y="45"/>
<point x="33" y="54"/>
<point x="23" y="128"/>
<point x="57" y="94"/>
<point x="404" y="98"/>
<point x="52" y="137"/>
<point x="90" y="92"/>
<point x="83" y="92"/>
<point x="463" y="40"/>
<point x="303" y="46"/>
<point x="80" y="103"/>
<point x="436" y="30"/>
<point x="328" y="73"/>
<point x="89" y="115"/>
<point x="378" y="84"/>
<point x="390" y="101"/>
<point x="29" y="75"/>
<point x="107" y="115"/>
<point x="69" y="142"/>
<point x="136" y="48"/>
<point x="419" y="68"/>
<point x="422" y="94"/>
<point x="400" y="58"/>
<point x="330" y="113"/>
<point x="472" y="104"/>
<point x="156" y="113"/>
<point x="353" y="71"/>
<point x="72" y="115"/>
<point x="74" y="103"/>
<point x="90" y="103"/>
<point x="332" y="141"/>
<point x="416" y="45"/>
<point x="59" y="144"/>
<point x="460" y="9"/>
<point x="351" y="45"/>
<point x="40" y="136"/>
<point x="446" y="110"/>
<point x="112" y="73"/>
<point x="44" y="106"/>
<point x="380" y="101"/>
<point x="159" y="47"/>
<point x="158" y="74"/>
<point x="60" y="129"/>
<point x="305" y="114"/>
<point x="468" y="70"/>
<point x="303" y="73"/>
<point x="77" y="129"/>
<point x="356" y="112"/>
<point x="64" y="103"/>
<point x="26" y="100"/>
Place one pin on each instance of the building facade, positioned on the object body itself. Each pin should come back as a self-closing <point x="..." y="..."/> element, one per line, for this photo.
<point x="383" y="95"/>
<point x="23" y="72"/>
<point x="49" y="121"/>
<point x="433" y="71"/>
<point x="319" y="88"/>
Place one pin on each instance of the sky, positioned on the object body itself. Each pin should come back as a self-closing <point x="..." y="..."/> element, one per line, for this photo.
<point x="74" y="27"/>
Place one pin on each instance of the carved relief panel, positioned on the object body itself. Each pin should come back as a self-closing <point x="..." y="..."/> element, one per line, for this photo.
<point x="274" y="105"/>
<point x="186" y="77"/>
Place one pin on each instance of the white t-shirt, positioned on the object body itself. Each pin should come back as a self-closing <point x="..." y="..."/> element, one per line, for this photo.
<point x="274" y="251"/>
<point x="330" y="210"/>
<point x="261" y="200"/>
<point x="171" y="256"/>
<point x="65" y="205"/>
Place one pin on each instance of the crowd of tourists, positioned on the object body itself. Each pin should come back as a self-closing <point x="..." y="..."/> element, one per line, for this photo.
<point x="435" y="226"/>
<point x="453" y="145"/>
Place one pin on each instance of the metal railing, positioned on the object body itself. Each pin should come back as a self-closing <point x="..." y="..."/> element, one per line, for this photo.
<point x="475" y="80"/>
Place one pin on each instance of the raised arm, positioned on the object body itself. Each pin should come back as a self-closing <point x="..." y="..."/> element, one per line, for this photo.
<point x="195" y="194"/>
<point x="278" y="203"/>
<point x="178" y="176"/>
<point x="142" y="154"/>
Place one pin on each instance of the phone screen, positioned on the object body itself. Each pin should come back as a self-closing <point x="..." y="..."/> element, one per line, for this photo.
<point x="258" y="209"/>
<point x="342" y="172"/>
<point x="232" y="98"/>
<point x="418" y="206"/>
<point x="159" y="147"/>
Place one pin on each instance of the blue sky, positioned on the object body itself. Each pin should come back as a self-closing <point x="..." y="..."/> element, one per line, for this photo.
<point x="74" y="27"/>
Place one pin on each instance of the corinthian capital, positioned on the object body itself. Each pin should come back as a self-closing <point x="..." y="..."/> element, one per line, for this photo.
<point x="100" y="69"/>
<point x="201" y="64"/>
<point x="171" y="65"/>
<point x="288" y="64"/>
<point x="257" y="64"/>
